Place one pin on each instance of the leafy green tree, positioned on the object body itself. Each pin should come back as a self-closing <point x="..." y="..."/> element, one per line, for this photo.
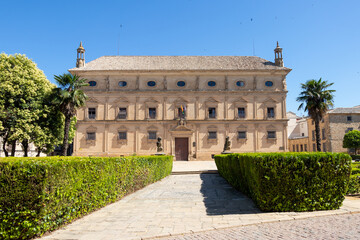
<point x="352" y="140"/>
<point x="23" y="88"/>
<point x="316" y="100"/>
<point x="69" y="97"/>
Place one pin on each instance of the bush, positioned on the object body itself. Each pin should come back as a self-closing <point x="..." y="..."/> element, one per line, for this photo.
<point x="40" y="194"/>
<point x="355" y="157"/>
<point x="289" y="181"/>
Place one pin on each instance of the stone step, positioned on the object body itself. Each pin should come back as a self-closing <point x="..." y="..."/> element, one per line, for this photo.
<point x="194" y="172"/>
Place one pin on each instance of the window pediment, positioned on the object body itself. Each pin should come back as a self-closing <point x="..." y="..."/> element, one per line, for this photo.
<point x="92" y="100"/>
<point x="121" y="100"/>
<point x="91" y="129"/>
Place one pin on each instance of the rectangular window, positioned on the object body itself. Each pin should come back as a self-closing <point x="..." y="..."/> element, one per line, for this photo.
<point x="349" y="118"/>
<point x="271" y="134"/>
<point x="152" y="135"/>
<point x="90" y="136"/>
<point x="212" y="135"/>
<point x="181" y="112"/>
<point x="293" y="148"/>
<point x="305" y="146"/>
<point x="301" y="148"/>
<point x="323" y="133"/>
<point x="297" y="147"/>
<point x="324" y="147"/>
<point x="241" y="112"/>
<point x="122" y="135"/>
<point x="91" y="113"/>
<point x="122" y="113"/>
<point x="152" y="113"/>
<point x="313" y="135"/>
<point x="270" y="112"/>
<point x="314" y="147"/>
<point x="241" y="135"/>
<point x="212" y="112"/>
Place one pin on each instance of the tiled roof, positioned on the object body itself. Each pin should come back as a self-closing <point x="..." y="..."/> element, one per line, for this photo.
<point x="178" y="63"/>
<point x="355" y="109"/>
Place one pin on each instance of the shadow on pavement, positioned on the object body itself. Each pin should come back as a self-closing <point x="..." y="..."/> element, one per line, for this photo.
<point x="220" y="198"/>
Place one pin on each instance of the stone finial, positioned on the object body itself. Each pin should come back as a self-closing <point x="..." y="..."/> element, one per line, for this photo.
<point x="80" y="60"/>
<point x="278" y="56"/>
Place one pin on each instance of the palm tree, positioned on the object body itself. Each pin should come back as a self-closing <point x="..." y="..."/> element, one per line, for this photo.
<point x="316" y="100"/>
<point x="69" y="97"/>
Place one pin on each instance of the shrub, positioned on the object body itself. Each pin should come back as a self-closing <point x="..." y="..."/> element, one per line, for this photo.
<point x="355" y="157"/>
<point x="40" y="194"/>
<point x="289" y="181"/>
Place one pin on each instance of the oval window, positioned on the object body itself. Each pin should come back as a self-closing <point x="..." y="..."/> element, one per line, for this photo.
<point x="92" y="83"/>
<point x="269" y="83"/>
<point x="181" y="83"/>
<point x="151" y="83"/>
<point x="211" y="83"/>
<point x="240" y="83"/>
<point x="122" y="83"/>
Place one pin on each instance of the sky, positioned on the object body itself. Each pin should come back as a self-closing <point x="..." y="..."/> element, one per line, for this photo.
<point x="320" y="39"/>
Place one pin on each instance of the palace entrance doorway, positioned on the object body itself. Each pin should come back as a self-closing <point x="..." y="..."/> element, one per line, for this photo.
<point x="181" y="149"/>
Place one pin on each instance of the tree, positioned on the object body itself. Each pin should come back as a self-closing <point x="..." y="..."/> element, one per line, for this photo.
<point x="69" y="97"/>
<point x="23" y="88"/>
<point x="316" y="100"/>
<point x="352" y="140"/>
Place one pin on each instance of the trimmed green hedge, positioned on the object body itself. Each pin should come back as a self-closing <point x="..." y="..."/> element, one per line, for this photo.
<point x="289" y="181"/>
<point x="354" y="157"/>
<point x="40" y="194"/>
<point x="354" y="185"/>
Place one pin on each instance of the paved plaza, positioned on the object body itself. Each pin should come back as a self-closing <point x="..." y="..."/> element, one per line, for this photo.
<point x="188" y="203"/>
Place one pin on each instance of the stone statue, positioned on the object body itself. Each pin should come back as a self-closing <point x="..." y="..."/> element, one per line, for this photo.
<point x="227" y="146"/>
<point x="159" y="146"/>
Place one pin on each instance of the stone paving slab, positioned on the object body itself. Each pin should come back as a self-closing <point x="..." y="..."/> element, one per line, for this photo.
<point x="179" y="204"/>
<point x="346" y="226"/>
<point x="194" y="166"/>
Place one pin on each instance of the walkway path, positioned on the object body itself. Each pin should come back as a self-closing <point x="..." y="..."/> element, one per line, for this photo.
<point x="179" y="204"/>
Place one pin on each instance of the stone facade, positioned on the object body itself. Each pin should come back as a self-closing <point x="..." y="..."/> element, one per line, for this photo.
<point x="298" y="133"/>
<point x="192" y="102"/>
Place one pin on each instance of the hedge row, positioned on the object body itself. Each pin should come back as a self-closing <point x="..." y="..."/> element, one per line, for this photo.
<point x="289" y="181"/>
<point x="40" y="194"/>
<point x="354" y="185"/>
<point x="355" y="157"/>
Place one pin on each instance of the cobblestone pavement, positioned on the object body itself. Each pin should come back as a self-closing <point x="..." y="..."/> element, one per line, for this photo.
<point x="175" y="205"/>
<point x="345" y="226"/>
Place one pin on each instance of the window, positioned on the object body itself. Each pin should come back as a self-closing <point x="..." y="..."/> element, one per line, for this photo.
<point x="122" y="135"/>
<point x="241" y="112"/>
<point x="151" y="83"/>
<point x="122" y="84"/>
<point x="91" y="113"/>
<point x="349" y="118"/>
<point x="301" y="148"/>
<point x="181" y="84"/>
<point x="212" y="135"/>
<point x="293" y="148"/>
<point x="313" y="135"/>
<point x="92" y="83"/>
<point x="302" y="134"/>
<point x="122" y="113"/>
<point x="211" y="83"/>
<point x="240" y="83"/>
<point x="152" y="113"/>
<point x="271" y="134"/>
<point x="90" y="136"/>
<point x="152" y="135"/>
<point x="241" y="135"/>
<point x="269" y="83"/>
<point x="305" y="147"/>
<point x="314" y="147"/>
<point x="324" y="147"/>
<point x="323" y="133"/>
<point x="297" y="147"/>
<point x="181" y="112"/>
<point x="270" y="112"/>
<point x="212" y="112"/>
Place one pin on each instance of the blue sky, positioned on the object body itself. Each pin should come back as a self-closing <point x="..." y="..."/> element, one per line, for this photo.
<point x="319" y="38"/>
